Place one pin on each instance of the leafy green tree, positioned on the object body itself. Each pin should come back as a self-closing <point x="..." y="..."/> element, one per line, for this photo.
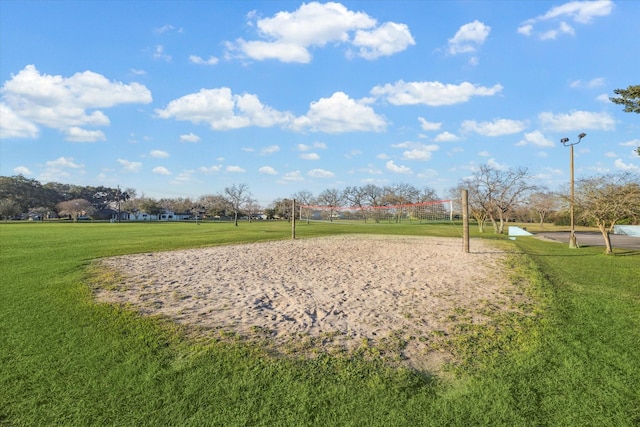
<point x="8" y="208"/>
<point x="630" y="98"/>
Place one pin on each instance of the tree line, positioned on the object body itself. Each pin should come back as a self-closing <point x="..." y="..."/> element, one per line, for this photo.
<point x="496" y="196"/>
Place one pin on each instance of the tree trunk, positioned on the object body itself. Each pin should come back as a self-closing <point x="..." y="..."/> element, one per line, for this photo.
<point x="236" y="218"/>
<point x="607" y="239"/>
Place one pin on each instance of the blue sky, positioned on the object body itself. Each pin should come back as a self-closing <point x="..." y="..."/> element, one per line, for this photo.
<point x="181" y="99"/>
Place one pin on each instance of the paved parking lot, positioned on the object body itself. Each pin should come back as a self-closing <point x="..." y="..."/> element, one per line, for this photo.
<point x="592" y="238"/>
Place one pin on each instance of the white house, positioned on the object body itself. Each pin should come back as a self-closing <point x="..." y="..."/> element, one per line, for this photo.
<point x="165" y="215"/>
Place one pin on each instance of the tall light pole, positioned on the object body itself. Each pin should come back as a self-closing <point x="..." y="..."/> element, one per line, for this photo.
<point x="566" y="143"/>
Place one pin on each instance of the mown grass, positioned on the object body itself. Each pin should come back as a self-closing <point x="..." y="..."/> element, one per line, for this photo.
<point x="570" y="359"/>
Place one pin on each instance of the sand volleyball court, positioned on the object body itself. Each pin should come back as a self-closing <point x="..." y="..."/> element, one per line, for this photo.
<point x="337" y="292"/>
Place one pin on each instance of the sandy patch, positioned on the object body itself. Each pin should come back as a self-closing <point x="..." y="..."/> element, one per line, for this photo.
<point x="339" y="291"/>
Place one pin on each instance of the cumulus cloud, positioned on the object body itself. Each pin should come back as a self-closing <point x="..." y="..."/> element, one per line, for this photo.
<point x="189" y="137"/>
<point x="576" y="120"/>
<point x="159" y="154"/>
<point x="294" y="176"/>
<point x="320" y="173"/>
<point x="195" y="59"/>
<point x="235" y="169"/>
<point x="289" y="36"/>
<point x="627" y="167"/>
<point x="222" y="110"/>
<point x="69" y="104"/>
<point x="469" y="37"/>
<point x="160" y="170"/>
<point x="269" y="150"/>
<point x="392" y="167"/>
<point x="580" y="12"/>
<point x="129" y="166"/>
<point x="385" y="40"/>
<point x="22" y="170"/>
<point x="338" y="114"/>
<point x="427" y="125"/>
<point x="446" y="137"/>
<point x="497" y="127"/>
<point x="13" y="125"/>
<point x="60" y="168"/>
<point x="535" y="138"/>
<point x="267" y="170"/>
<point x="431" y="93"/>
<point x="417" y="151"/>
<point x="210" y="170"/>
<point x="310" y="156"/>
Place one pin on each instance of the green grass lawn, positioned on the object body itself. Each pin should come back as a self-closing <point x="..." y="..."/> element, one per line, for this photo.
<point x="573" y="359"/>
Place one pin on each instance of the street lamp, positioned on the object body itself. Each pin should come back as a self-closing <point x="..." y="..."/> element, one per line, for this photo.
<point x="566" y="143"/>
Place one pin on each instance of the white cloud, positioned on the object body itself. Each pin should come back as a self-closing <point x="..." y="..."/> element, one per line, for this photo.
<point x="61" y="168"/>
<point x="305" y="147"/>
<point x="576" y="121"/>
<point x="269" y="150"/>
<point x="267" y="170"/>
<point x="610" y="154"/>
<point x="295" y="176"/>
<point x="223" y="110"/>
<point x="22" y="170"/>
<point x="30" y="99"/>
<point x="163" y="29"/>
<point x="496" y="128"/>
<point x="595" y="82"/>
<point x="320" y="173"/>
<point x="160" y="170"/>
<point x="628" y="167"/>
<point x="338" y="114"/>
<point x="159" y="154"/>
<point x="446" y="137"/>
<point x="385" y="40"/>
<point x="581" y="12"/>
<point x="235" y="169"/>
<point x="431" y="93"/>
<point x="426" y="125"/>
<point x="469" y="37"/>
<point x="536" y="138"/>
<point x="129" y="166"/>
<point x="195" y="59"/>
<point x="392" y="167"/>
<point x="423" y="153"/>
<point x="14" y="126"/>
<point x="499" y="166"/>
<point x="631" y="143"/>
<point x="64" y="163"/>
<point x="189" y="137"/>
<point x="484" y="154"/>
<point x="310" y="156"/>
<point x="210" y="170"/>
<point x="159" y="53"/>
<point x="288" y="36"/>
<point x="76" y="134"/>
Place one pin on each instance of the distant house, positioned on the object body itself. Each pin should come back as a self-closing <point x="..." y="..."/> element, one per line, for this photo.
<point x="165" y="215"/>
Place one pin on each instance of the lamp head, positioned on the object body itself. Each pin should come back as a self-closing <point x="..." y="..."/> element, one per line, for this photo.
<point x="564" y="140"/>
<point x="582" y="135"/>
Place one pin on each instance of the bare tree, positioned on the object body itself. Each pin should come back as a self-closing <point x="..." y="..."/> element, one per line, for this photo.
<point x="330" y="198"/>
<point x="238" y="196"/>
<point x="214" y="205"/>
<point x="304" y="197"/>
<point x="542" y="203"/>
<point x="493" y="193"/>
<point x="75" y="208"/>
<point x="356" y="197"/>
<point x="607" y="200"/>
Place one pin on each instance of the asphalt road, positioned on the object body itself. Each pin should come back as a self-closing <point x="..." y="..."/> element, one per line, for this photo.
<point x="592" y="238"/>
